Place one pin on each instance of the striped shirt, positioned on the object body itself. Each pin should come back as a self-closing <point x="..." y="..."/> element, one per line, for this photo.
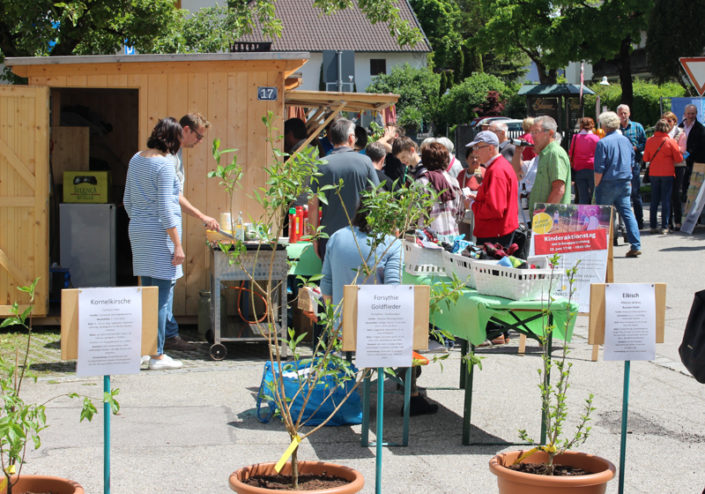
<point x="152" y="203"/>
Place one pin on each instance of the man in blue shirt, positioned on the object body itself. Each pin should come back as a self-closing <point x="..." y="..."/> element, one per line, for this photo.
<point x="614" y="156"/>
<point x="634" y="131"/>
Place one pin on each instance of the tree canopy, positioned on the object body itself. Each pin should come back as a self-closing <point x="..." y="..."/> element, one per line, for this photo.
<point x="670" y="36"/>
<point x="553" y="33"/>
<point x="47" y="27"/>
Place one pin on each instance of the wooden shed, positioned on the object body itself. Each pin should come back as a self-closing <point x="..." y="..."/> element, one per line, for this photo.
<point x="97" y="111"/>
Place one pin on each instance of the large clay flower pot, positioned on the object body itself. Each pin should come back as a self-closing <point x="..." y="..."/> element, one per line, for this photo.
<point x="513" y="482"/>
<point x="356" y="484"/>
<point x="44" y="483"/>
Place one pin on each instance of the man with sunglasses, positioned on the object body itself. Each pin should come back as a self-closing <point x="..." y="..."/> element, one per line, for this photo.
<point x="194" y="127"/>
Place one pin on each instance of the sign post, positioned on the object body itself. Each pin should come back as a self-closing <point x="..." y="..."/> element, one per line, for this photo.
<point x="108" y="330"/>
<point x="629" y="319"/>
<point x="383" y="324"/>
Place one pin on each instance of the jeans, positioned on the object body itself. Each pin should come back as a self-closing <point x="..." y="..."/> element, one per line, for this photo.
<point x="617" y="193"/>
<point x="676" y="197"/>
<point x="636" y="195"/>
<point x="661" y="189"/>
<point x="585" y="183"/>
<point x="166" y="298"/>
<point x="172" y="327"/>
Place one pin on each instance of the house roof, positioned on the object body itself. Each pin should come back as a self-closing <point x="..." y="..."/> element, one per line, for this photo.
<point x="554" y="90"/>
<point x="306" y="28"/>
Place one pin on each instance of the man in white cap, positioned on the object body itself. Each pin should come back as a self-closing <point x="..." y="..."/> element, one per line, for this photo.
<point x="496" y="206"/>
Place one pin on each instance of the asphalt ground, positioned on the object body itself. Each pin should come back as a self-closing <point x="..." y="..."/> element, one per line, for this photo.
<point x="186" y="430"/>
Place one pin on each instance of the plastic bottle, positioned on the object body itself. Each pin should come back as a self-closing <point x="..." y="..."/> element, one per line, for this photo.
<point x="304" y="222"/>
<point x="299" y="222"/>
<point x="292" y="226"/>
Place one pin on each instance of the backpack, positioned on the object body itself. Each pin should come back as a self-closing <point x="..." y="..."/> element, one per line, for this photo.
<point x="692" y="349"/>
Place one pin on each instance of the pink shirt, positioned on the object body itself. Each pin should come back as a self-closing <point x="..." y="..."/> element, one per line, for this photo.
<point x="582" y="150"/>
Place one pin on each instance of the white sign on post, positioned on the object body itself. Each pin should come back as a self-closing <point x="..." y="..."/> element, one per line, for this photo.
<point x="385" y="325"/>
<point x="630" y="321"/>
<point x="109" y="331"/>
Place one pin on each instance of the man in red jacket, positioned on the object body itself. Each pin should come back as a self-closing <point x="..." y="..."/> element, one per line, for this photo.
<point x="495" y="207"/>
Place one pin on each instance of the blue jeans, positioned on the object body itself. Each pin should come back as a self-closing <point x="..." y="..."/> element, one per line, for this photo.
<point x="636" y="195"/>
<point x="585" y="183"/>
<point x="166" y="298"/>
<point x="661" y="190"/>
<point x="172" y="327"/>
<point x="617" y="193"/>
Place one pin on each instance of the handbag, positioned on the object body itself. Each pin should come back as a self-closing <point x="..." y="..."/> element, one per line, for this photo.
<point x="692" y="348"/>
<point x="332" y="387"/>
<point x="646" y="173"/>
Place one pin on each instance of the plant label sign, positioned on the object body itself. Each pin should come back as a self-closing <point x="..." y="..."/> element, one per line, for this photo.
<point x="109" y="331"/>
<point x="630" y="321"/>
<point x="385" y="325"/>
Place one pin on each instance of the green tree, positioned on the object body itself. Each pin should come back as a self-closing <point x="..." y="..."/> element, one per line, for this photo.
<point x="670" y="36"/>
<point x="439" y="20"/>
<point x="418" y="90"/>
<point x="47" y="27"/>
<point x="553" y="33"/>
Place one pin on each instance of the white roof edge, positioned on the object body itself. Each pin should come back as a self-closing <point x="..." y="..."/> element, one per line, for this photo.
<point x="182" y="57"/>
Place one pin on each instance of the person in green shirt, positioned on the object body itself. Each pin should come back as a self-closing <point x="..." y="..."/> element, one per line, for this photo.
<point x="552" y="184"/>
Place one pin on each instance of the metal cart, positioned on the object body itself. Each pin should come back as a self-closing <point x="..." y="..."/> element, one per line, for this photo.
<point x="224" y="271"/>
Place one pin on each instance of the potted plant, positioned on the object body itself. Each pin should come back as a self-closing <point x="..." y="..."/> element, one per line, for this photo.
<point x="389" y="212"/>
<point x="553" y="466"/>
<point x="21" y="423"/>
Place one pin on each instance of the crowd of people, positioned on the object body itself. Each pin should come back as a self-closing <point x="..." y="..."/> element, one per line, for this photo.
<point x="486" y="196"/>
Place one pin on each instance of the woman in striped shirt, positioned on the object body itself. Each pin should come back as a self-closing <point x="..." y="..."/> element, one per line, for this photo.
<point x="152" y="203"/>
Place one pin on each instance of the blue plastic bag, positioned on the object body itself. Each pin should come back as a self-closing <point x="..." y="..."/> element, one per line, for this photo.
<point x="334" y="384"/>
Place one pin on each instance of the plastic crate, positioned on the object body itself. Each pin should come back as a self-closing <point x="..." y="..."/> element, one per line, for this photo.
<point x="516" y="284"/>
<point x="420" y="261"/>
<point x="459" y="265"/>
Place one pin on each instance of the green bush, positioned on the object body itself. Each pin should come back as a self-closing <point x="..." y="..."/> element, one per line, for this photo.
<point x="645" y="108"/>
<point x="458" y="105"/>
<point x="417" y="90"/>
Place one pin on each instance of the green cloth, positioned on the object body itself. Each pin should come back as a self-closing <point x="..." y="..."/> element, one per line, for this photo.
<point x="554" y="164"/>
<point x="467" y="318"/>
<point x="303" y="259"/>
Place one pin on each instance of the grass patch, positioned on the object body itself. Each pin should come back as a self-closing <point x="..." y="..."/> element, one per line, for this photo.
<point x="44" y="351"/>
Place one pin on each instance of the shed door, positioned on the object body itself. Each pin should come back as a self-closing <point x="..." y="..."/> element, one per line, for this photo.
<point x="24" y="195"/>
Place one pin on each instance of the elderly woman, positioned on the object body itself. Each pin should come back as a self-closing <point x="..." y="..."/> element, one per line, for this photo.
<point x="152" y="203"/>
<point x="662" y="153"/>
<point x="448" y="209"/>
<point x="582" y="160"/>
<point x="678" y="134"/>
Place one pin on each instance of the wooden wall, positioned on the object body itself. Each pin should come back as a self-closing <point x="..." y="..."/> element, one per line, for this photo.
<point x="226" y="93"/>
<point x="24" y="195"/>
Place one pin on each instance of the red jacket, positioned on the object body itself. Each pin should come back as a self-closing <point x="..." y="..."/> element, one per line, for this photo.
<point x="663" y="163"/>
<point x="496" y="205"/>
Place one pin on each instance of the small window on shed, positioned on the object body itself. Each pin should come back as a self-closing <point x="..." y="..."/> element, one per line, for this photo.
<point x="378" y="66"/>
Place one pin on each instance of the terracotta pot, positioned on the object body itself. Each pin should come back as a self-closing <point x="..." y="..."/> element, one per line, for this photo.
<point x="511" y="482"/>
<point x="44" y="483"/>
<point x="356" y="484"/>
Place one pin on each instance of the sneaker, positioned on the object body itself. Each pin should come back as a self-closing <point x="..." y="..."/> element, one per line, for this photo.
<point x="633" y="253"/>
<point x="145" y="360"/>
<point x="664" y="231"/>
<point x="166" y="362"/>
<point x="178" y="343"/>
